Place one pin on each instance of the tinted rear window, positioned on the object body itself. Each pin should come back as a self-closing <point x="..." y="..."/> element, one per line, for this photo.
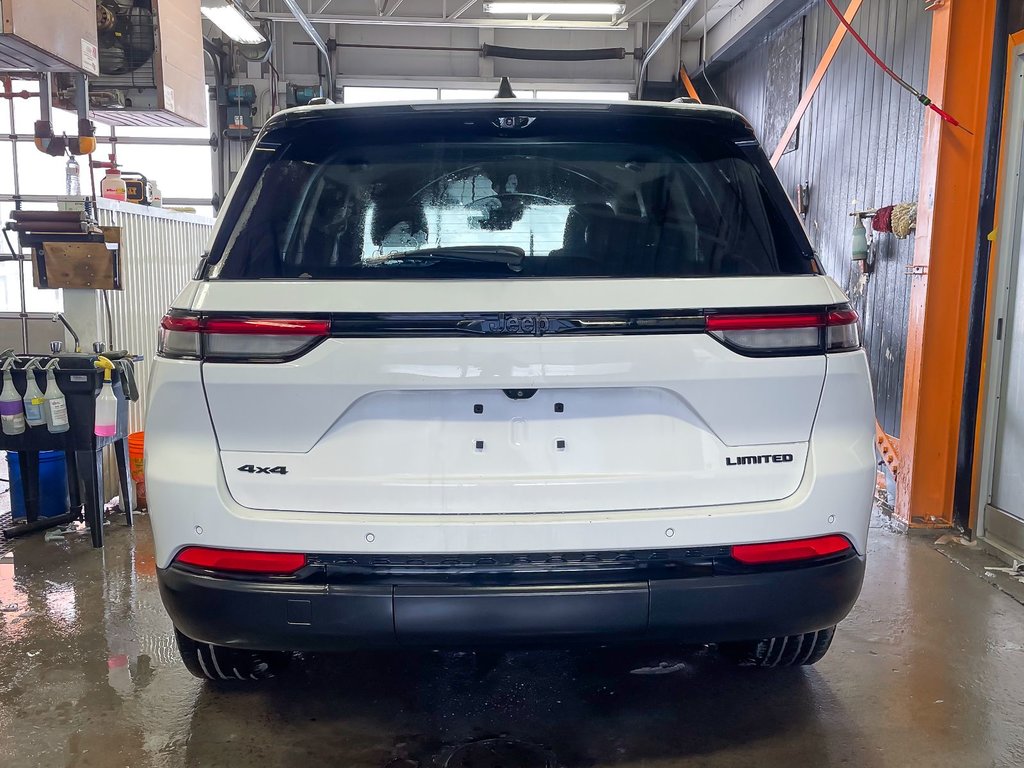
<point x="451" y="196"/>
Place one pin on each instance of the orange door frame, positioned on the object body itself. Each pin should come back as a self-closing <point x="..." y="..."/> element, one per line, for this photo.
<point x="951" y="169"/>
<point x="1015" y="41"/>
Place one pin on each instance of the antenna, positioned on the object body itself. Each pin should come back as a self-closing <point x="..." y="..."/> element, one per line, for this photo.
<point x="505" y="90"/>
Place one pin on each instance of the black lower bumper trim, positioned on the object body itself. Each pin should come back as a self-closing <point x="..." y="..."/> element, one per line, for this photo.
<point x="296" y="616"/>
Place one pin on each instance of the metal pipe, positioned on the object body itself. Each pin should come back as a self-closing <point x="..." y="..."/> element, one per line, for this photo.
<point x="41" y="524"/>
<point x="44" y="88"/>
<point x="304" y="21"/>
<point x="59" y="318"/>
<point x="15" y="138"/>
<point x="165" y="141"/>
<point x="82" y="97"/>
<point x="434" y="21"/>
<point x="19" y="258"/>
<point x="185" y="201"/>
<point x="660" y="40"/>
<point x="218" y="116"/>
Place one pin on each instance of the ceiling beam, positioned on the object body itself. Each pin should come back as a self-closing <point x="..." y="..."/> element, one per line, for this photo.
<point x="748" y="22"/>
<point x="417" y="21"/>
<point x="624" y="19"/>
<point x="456" y="14"/>
<point x="706" y="20"/>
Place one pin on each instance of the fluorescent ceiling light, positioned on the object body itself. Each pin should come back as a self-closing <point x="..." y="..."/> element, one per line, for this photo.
<point x="540" y="7"/>
<point x="231" y="21"/>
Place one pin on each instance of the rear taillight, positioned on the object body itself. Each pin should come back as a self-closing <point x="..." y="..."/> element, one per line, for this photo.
<point x="795" y="333"/>
<point x="239" y="339"/>
<point x="179" y="337"/>
<point x="791" y="551"/>
<point x="242" y="561"/>
<point x="842" y="332"/>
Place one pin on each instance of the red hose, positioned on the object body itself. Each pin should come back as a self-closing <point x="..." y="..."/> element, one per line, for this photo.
<point x="889" y="71"/>
<point x="877" y="59"/>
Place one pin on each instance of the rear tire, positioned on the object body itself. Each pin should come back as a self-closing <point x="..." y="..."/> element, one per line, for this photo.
<point x="217" y="662"/>
<point x="787" y="651"/>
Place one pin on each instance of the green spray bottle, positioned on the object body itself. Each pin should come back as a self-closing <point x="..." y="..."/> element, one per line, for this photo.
<point x="55" y="405"/>
<point x="12" y="409"/>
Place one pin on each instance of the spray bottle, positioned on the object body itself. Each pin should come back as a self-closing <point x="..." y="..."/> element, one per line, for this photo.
<point x="55" y="406"/>
<point x="106" y="401"/>
<point x="33" y="399"/>
<point x="12" y="409"/>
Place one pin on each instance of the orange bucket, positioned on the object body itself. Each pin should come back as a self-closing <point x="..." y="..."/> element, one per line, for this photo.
<point x="136" y="445"/>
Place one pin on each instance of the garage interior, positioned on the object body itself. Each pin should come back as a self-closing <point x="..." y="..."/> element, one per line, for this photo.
<point x="896" y="128"/>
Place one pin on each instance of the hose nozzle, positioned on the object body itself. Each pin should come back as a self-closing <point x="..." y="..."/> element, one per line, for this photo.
<point x="106" y="365"/>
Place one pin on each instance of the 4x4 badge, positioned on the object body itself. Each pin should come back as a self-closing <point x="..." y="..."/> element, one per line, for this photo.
<point x="254" y="470"/>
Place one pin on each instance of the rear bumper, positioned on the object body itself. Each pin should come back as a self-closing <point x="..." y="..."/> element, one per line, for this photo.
<point x="190" y="504"/>
<point x="466" y="610"/>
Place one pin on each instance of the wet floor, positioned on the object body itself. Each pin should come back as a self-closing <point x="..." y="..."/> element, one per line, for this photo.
<point x="928" y="671"/>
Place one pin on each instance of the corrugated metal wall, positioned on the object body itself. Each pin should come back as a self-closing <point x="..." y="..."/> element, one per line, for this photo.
<point x="160" y="251"/>
<point x="858" y="148"/>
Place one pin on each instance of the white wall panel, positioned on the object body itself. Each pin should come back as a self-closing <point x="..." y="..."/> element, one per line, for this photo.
<point x="159" y="252"/>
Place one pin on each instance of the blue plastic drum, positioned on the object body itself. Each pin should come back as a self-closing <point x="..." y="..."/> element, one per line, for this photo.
<point x="53" y="485"/>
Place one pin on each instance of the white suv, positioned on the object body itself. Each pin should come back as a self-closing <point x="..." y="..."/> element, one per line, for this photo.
<point x="507" y="372"/>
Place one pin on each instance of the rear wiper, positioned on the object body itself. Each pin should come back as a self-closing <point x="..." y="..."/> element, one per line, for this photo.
<point x="487" y="254"/>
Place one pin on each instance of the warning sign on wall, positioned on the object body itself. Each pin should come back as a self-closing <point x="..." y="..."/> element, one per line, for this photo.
<point x="90" y="57"/>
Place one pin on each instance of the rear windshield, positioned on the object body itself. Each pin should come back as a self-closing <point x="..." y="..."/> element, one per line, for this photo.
<point x="601" y="198"/>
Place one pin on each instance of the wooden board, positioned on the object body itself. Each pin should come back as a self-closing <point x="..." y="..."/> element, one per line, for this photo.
<point x="91" y="266"/>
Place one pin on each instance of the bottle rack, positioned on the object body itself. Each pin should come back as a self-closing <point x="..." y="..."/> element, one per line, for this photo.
<point x="80" y="381"/>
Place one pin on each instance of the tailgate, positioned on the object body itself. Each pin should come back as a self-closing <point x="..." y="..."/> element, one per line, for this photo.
<point x="411" y="424"/>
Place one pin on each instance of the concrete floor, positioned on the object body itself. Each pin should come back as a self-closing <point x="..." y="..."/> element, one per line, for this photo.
<point x="928" y="671"/>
